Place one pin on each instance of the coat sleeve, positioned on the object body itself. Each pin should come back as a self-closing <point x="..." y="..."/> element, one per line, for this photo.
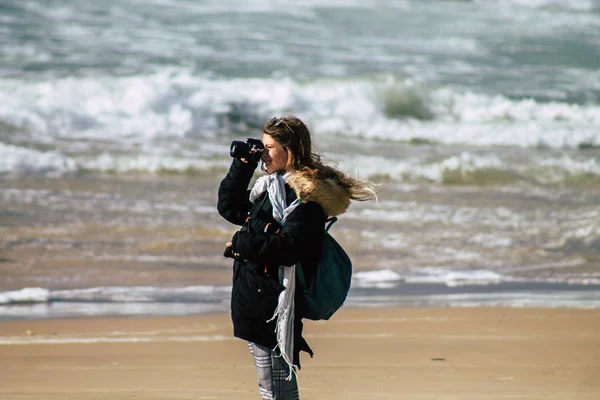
<point x="301" y="234"/>
<point x="234" y="203"/>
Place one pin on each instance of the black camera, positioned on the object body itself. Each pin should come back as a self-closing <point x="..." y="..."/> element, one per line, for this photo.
<point x="250" y="149"/>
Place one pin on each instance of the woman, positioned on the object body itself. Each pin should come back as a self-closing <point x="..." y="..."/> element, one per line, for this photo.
<point x="283" y="220"/>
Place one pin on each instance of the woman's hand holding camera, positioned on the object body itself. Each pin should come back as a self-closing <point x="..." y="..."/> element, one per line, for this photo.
<point x="249" y="150"/>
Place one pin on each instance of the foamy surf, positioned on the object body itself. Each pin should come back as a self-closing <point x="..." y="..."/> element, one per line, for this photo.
<point x="178" y="103"/>
<point x="118" y="294"/>
<point x="174" y="121"/>
<point x="387" y="278"/>
<point x="386" y="287"/>
<point x="23" y="161"/>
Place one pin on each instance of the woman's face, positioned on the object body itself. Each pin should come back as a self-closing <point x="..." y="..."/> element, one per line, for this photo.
<point x="274" y="157"/>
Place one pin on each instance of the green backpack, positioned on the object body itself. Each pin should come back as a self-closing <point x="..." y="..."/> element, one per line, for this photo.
<point x="331" y="283"/>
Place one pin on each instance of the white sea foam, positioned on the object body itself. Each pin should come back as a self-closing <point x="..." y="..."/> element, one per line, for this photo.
<point x="452" y="278"/>
<point x="357" y="109"/>
<point x="176" y="103"/>
<point x="379" y="279"/>
<point x="487" y="240"/>
<point x="143" y="294"/>
<point x="150" y="163"/>
<point x="198" y="300"/>
<point x="411" y="168"/>
<point x="420" y="214"/>
<point x="173" y="120"/>
<point x="467" y="167"/>
<point x="585" y="236"/>
<point x="388" y="278"/>
<point x="117" y="294"/>
<point x="550" y="299"/>
<point x="568" y="164"/>
<point x="20" y="160"/>
<point x="25" y="296"/>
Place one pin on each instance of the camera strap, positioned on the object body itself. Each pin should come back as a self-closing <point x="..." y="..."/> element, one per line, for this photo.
<point x="252" y="214"/>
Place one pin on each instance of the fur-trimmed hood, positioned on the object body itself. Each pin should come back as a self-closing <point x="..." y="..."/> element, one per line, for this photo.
<point x="328" y="192"/>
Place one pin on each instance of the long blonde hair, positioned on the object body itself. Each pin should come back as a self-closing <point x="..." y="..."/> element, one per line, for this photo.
<point x="289" y="131"/>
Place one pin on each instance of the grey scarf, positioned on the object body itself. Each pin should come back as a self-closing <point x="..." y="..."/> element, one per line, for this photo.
<point x="274" y="185"/>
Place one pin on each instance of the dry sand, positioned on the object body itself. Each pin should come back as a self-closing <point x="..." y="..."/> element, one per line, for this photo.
<point x="396" y="353"/>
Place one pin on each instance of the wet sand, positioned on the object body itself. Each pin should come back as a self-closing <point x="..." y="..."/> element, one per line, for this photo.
<point x="369" y="353"/>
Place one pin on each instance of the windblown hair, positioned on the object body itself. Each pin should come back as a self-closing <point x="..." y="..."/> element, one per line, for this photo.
<point x="309" y="173"/>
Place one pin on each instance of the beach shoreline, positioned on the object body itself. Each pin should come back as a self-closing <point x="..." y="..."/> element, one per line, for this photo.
<point x="387" y="353"/>
<point x="366" y="291"/>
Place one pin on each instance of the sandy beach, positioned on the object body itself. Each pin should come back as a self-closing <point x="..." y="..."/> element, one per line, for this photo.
<point x="376" y="353"/>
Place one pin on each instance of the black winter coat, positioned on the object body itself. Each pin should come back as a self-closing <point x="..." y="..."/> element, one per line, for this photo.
<point x="259" y="247"/>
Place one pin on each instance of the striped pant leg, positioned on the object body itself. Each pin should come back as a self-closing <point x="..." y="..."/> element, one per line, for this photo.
<point x="272" y="373"/>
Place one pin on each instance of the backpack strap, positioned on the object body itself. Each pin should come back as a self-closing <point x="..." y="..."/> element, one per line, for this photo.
<point x="331" y="221"/>
<point x="254" y="212"/>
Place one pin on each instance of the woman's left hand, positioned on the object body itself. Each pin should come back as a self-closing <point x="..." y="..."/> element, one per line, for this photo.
<point x="229" y="253"/>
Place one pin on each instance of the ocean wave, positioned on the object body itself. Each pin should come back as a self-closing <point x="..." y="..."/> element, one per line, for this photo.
<point x="584" y="239"/>
<point x="461" y="169"/>
<point x="369" y="288"/>
<point x="468" y="168"/>
<point x="176" y="122"/>
<point x="154" y="164"/>
<point x="25" y="296"/>
<point x="465" y="168"/>
<point x="215" y="294"/>
<point x="517" y="299"/>
<point x="24" y="161"/>
<point x="116" y="294"/>
<point x="388" y="278"/>
<point x="454" y="278"/>
<point x="178" y="104"/>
